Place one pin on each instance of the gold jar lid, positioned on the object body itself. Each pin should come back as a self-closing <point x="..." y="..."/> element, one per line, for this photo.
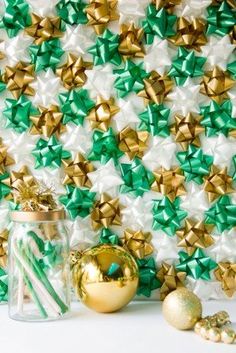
<point x="38" y="216"/>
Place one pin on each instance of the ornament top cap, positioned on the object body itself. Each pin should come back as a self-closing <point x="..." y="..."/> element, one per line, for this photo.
<point x="38" y="216"/>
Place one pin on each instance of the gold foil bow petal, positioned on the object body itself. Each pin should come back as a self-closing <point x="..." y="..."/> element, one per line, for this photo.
<point x="100" y="13"/>
<point x="170" y="279"/>
<point x="217" y="183"/>
<point x="194" y="234"/>
<point x="132" y="142"/>
<point x="100" y="116"/>
<point x="137" y="243"/>
<point x="106" y="212"/>
<point x="2" y="55"/>
<point x="226" y="274"/>
<point x="48" y="122"/>
<point x="187" y="130"/>
<point x="72" y="73"/>
<point x="167" y="4"/>
<point x="5" y="159"/>
<point x="44" y="28"/>
<point x="18" y="79"/>
<point x="232" y="35"/>
<point x="131" y="42"/>
<point x="191" y="35"/>
<point x="76" y="171"/>
<point x="3" y="247"/>
<point x="156" y="88"/>
<point x="169" y="182"/>
<point x="216" y="83"/>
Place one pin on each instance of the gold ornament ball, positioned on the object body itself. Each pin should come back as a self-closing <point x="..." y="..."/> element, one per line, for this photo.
<point x="105" y="278"/>
<point x="182" y="309"/>
<point x="227" y="335"/>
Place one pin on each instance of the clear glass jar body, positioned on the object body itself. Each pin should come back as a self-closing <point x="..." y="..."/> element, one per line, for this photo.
<point x="39" y="271"/>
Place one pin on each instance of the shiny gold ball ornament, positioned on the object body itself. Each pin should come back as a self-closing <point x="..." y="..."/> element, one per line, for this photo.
<point x="105" y="278"/>
<point x="182" y="309"/>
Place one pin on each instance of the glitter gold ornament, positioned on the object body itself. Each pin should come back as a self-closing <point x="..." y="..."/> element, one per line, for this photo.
<point x="194" y="234"/>
<point x="182" y="309"/>
<point x="133" y="143"/>
<point x="5" y="159"/>
<point x="131" y="41"/>
<point x="156" y="88"/>
<point x="190" y="34"/>
<point x="105" y="278"/>
<point x="169" y="182"/>
<point x="187" y="129"/>
<point x="106" y="212"/>
<point x="18" y="79"/>
<point x="217" y="183"/>
<point x="100" y="13"/>
<point x="3" y="247"/>
<point x="72" y="73"/>
<point x="76" y="171"/>
<point x="228" y="335"/>
<point x="100" y="116"/>
<point x="226" y="274"/>
<point x="167" y="4"/>
<point x="137" y="242"/>
<point x="44" y="28"/>
<point x="216" y="83"/>
<point x="48" y="122"/>
<point x="170" y="279"/>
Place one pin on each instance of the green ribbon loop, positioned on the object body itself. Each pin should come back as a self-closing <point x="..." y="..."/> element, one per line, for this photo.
<point x="4" y="189"/>
<point x="49" y="153"/>
<point x="77" y="202"/>
<point x="194" y="164"/>
<point x="231" y="67"/>
<point x="72" y="11"/>
<point x="3" y="286"/>
<point x="75" y="106"/>
<point x="155" y="120"/>
<point x="221" y="19"/>
<point x="158" y="22"/>
<point x="222" y="214"/>
<point x="106" y="49"/>
<point x="198" y="265"/>
<point x="217" y="118"/>
<point x="167" y="215"/>
<point x="137" y="179"/>
<point x="148" y="280"/>
<point x="107" y="236"/>
<point x="2" y="84"/>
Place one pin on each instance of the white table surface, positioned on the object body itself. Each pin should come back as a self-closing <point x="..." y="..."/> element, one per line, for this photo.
<point x="138" y="328"/>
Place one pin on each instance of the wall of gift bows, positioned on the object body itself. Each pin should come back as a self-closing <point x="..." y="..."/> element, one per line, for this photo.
<point x="127" y="110"/>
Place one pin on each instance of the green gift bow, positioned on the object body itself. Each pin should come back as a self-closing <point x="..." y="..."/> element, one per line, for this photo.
<point x="148" y="280"/>
<point x="72" y="11"/>
<point x="155" y="120"/>
<point x="106" y="49"/>
<point x="185" y="65"/>
<point x="130" y="78"/>
<point x="46" y="55"/>
<point x="231" y="67"/>
<point x="221" y="19"/>
<point x="167" y="215"/>
<point x="217" y="118"/>
<point x="137" y="179"/>
<point x="77" y="201"/>
<point x="107" y="236"/>
<point x="158" y="22"/>
<point x="104" y="147"/>
<point x="2" y="84"/>
<point x="4" y="189"/>
<point x="16" y="17"/>
<point x="234" y="167"/>
<point x="197" y="265"/>
<point x="222" y="214"/>
<point x="49" y="153"/>
<point x="194" y="163"/>
<point x="3" y="285"/>
<point x="75" y="106"/>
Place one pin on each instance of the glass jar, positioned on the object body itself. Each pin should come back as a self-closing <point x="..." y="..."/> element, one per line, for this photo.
<point x="39" y="270"/>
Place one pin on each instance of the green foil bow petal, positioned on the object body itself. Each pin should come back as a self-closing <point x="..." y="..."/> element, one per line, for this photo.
<point x="130" y="78"/>
<point x="167" y="215"/>
<point x="148" y="280"/>
<point x="158" y="22"/>
<point x="46" y="55"/>
<point x="217" y="118"/>
<point x="49" y="153"/>
<point x="3" y="286"/>
<point x="222" y="214"/>
<point x="137" y="179"/>
<point x="194" y="163"/>
<point x="106" y="49"/>
<point x="72" y="11"/>
<point x="4" y="189"/>
<point x="107" y="236"/>
<point x="198" y="265"/>
<point x="221" y="19"/>
<point x="77" y="202"/>
<point x="75" y="106"/>
<point x="185" y="65"/>
<point x="231" y="67"/>
<point x="155" y="120"/>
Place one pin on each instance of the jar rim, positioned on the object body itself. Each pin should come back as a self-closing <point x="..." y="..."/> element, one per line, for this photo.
<point x="40" y="216"/>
